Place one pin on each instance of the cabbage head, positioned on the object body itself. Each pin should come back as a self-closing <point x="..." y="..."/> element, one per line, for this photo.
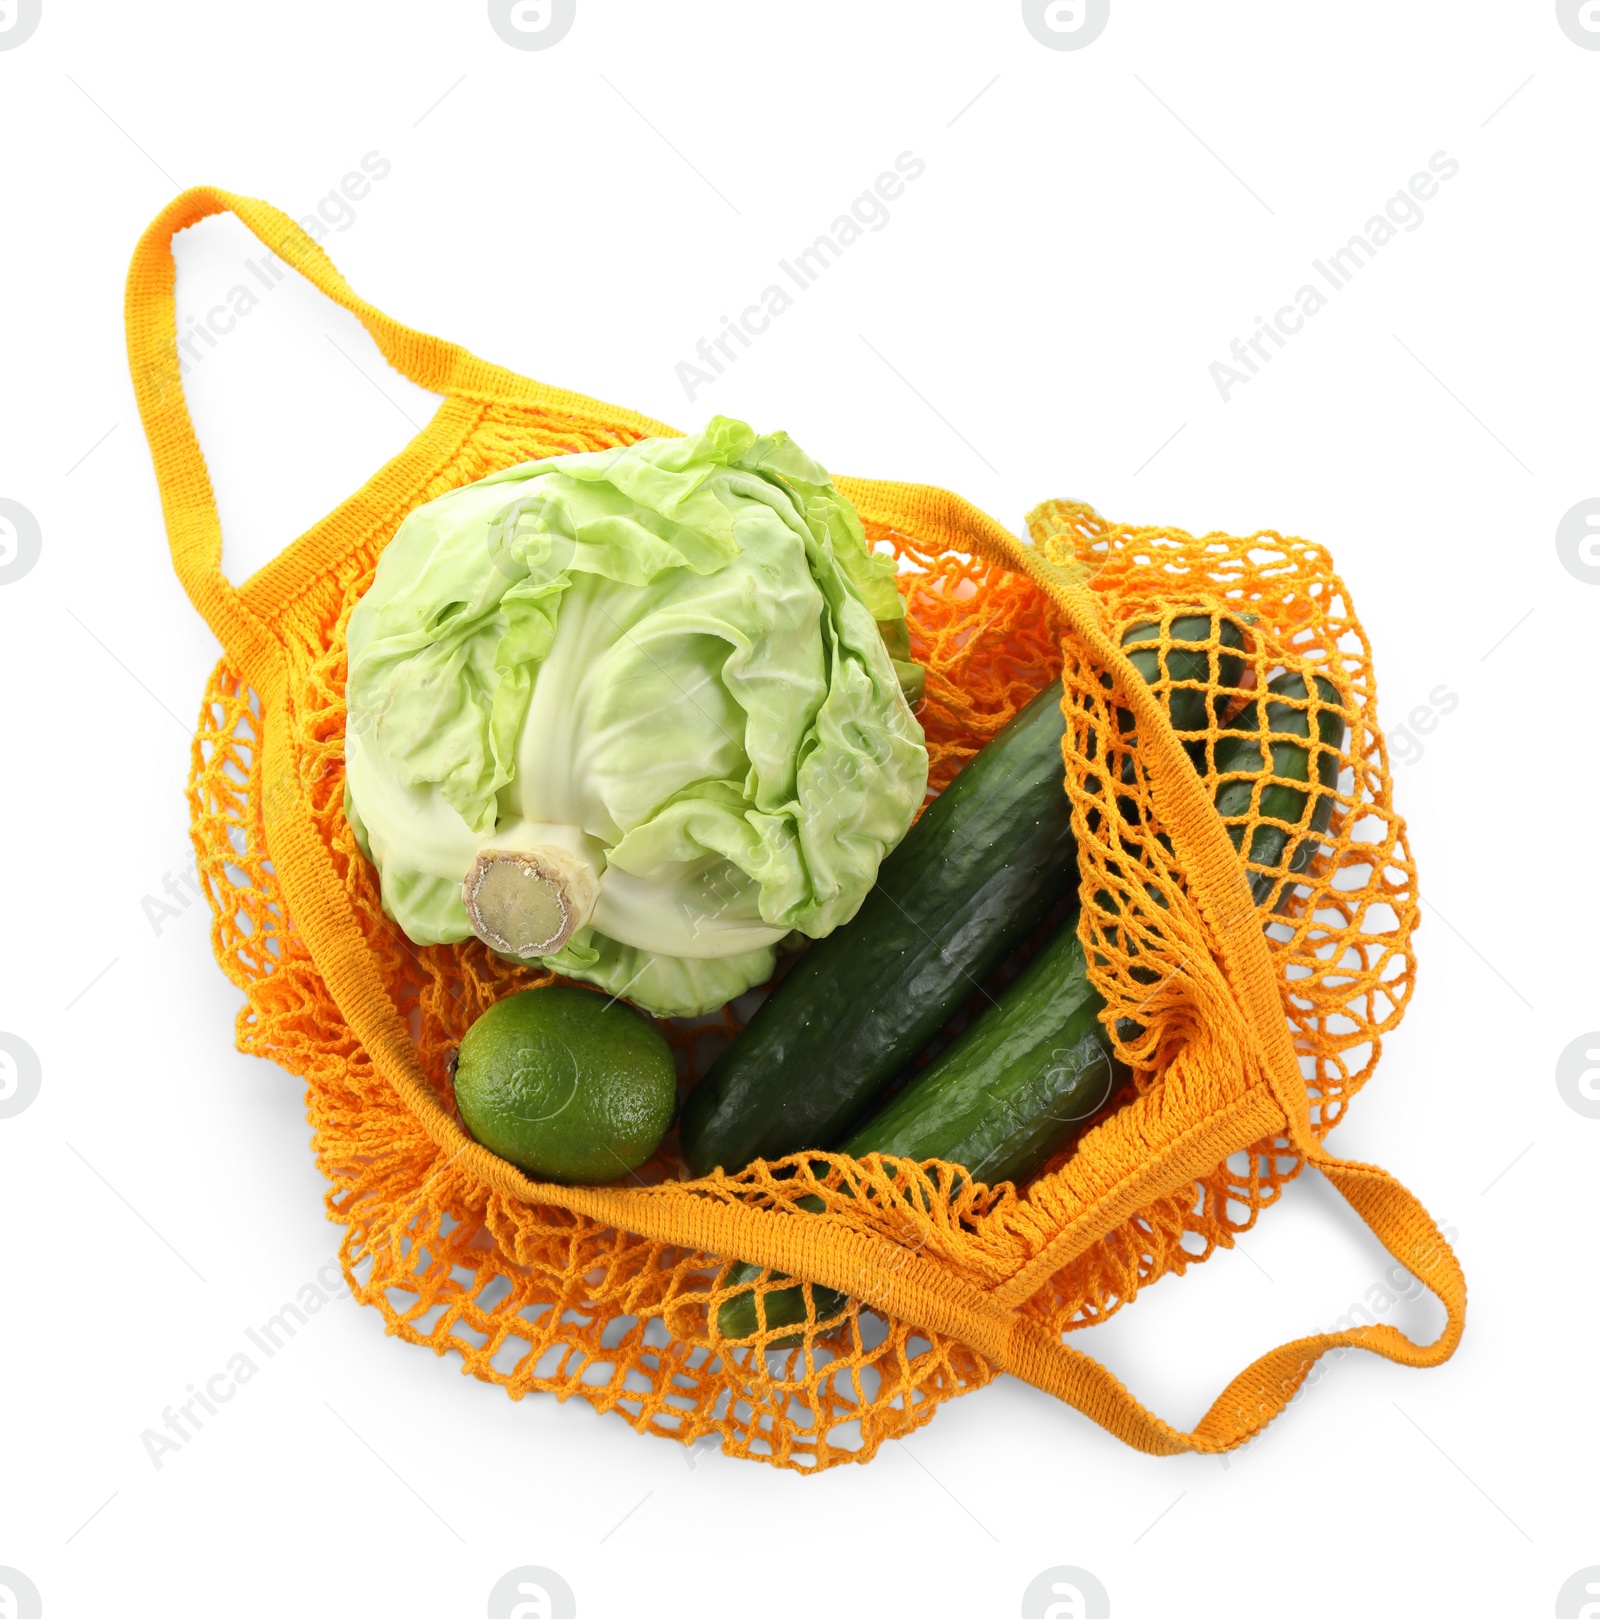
<point x="635" y="714"/>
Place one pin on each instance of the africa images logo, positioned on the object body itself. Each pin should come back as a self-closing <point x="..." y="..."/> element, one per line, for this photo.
<point x="20" y="540"/>
<point x="869" y="211"/>
<point x="532" y="25"/>
<point x="532" y="1592"/>
<point x="1579" y="1598"/>
<point x="1578" y="1075"/>
<point x="1066" y="1592"/>
<point x="19" y="1596"/>
<point x="1066" y="25"/>
<point x="1404" y="211"/>
<point x="1578" y="542"/>
<point x="18" y="19"/>
<point x="20" y="1078"/>
<point x="1580" y="22"/>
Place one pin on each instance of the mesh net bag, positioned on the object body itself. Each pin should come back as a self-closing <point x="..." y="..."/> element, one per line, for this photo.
<point x="1245" y="1028"/>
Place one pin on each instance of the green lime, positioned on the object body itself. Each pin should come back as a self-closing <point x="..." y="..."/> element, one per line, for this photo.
<point x="566" y="1084"/>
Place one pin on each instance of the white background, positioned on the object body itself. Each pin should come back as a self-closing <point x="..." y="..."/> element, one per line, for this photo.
<point x="1037" y="319"/>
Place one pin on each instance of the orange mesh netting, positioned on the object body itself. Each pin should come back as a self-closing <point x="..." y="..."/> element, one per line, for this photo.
<point x="1246" y="1031"/>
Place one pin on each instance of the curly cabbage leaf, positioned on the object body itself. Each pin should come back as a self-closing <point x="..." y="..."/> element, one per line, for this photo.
<point x="631" y="714"/>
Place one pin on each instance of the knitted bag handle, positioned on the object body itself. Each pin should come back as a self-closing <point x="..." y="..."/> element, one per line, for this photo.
<point x="919" y="1291"/>
<point x="187" y="498"/>
<point x="240" y="618"/>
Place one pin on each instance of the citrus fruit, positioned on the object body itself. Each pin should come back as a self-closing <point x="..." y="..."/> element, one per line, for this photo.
<point x="566" y="1084"/>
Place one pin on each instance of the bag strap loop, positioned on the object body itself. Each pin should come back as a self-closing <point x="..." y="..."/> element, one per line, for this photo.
<point x="187" y="498"/>
<point x="1262" y="1390"/>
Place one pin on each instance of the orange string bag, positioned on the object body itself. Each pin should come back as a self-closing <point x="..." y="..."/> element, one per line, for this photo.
<point x="1245" y="1033"/>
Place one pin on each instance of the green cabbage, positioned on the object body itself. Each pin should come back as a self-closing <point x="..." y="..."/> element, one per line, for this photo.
<point x="659" y="667"/>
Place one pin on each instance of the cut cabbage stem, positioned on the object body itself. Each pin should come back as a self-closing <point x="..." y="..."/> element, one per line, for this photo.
<point x="531" y="887"/>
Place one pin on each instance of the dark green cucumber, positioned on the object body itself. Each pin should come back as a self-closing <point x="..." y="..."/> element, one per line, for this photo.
<point x="1284" y="802"/>
<point x="991" y="1102"/>
<point x="740" y="1316"/>
<point x="1039" y="1075"/>
<point x="1203" y="667"/>
<point x="1196" y="638"/>
<point x="969" y="882"/>
<point x="1015" y="1080"/>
